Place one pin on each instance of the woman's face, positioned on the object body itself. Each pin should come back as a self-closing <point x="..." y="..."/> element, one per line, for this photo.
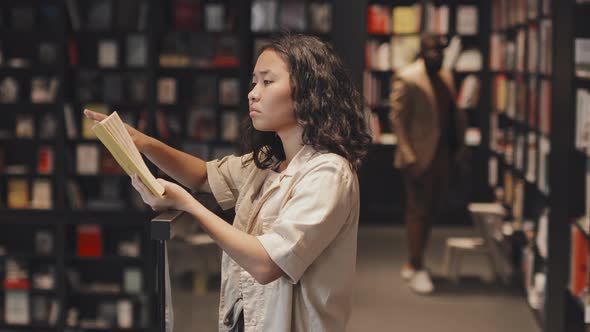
<point x="270" y="103"/>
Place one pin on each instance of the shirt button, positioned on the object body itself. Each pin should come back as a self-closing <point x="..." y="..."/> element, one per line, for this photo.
<point x="253" y="321"/>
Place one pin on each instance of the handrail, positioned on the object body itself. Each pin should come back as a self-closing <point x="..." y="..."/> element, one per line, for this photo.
<point x="162" y="229"/>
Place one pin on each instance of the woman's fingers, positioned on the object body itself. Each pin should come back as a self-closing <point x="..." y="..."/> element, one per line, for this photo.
<point x="94" y="115"/>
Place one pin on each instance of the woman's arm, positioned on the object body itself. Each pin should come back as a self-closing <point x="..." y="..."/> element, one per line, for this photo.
<point x="187" y="169"/>
<point x="243" y="248"/>
<point x="183" y="167"/>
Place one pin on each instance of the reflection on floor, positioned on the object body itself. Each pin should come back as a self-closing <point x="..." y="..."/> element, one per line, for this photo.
<point x="382" y="300"/>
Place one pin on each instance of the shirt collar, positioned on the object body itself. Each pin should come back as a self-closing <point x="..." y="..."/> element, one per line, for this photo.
<point x="300" y="159"/>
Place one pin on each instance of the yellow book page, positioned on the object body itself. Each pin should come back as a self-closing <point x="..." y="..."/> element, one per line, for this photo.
<point x="116" y="127"/>
<point x="123" y="158"/>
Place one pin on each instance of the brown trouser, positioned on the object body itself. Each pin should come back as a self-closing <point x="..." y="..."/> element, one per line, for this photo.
<point x="424" y="196"/>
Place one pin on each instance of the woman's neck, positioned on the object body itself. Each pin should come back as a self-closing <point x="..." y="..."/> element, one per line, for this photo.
<point x="292" y="143"/>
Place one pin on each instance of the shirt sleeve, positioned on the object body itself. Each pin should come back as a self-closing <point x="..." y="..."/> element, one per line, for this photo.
<point x="319" y="207"/>
<point x="225" y="178"/>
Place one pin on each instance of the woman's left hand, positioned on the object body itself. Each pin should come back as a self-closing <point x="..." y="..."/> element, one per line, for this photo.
<point x="175" y="197"/>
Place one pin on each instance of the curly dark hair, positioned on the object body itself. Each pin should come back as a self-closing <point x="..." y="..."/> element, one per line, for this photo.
<point x="327" y="104"/>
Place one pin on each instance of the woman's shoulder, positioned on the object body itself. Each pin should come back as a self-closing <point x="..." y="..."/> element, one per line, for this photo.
<point x="332" y="160"/>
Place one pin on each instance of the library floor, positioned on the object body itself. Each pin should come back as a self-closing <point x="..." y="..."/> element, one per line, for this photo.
<point x="383" y="302"/>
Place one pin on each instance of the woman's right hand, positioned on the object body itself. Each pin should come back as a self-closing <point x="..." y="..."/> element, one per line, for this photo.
<point x="138" y="137"/>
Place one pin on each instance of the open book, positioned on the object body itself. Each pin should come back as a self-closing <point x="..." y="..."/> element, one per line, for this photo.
<point x="113" y="134"/>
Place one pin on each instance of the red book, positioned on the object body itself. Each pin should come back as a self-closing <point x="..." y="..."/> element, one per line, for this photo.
<point x="45" y="160"/>
<point x="90" y="241"/>
<point x="578" y="262"/>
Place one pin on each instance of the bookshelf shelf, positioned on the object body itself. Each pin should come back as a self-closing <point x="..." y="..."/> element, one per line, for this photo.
<point x="37" y="327"/>
<point x="105" y="259"/>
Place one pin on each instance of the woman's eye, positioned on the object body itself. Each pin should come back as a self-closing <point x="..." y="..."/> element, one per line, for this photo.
<point x="267" y="82"/>
<point x="252" y="85"/>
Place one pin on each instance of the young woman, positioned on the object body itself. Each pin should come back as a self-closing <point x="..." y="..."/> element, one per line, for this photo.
<point x="289" y="257"/>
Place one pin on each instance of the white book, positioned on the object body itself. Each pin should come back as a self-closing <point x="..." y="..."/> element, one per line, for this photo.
<point x="467" y="20"/>
<point x="41" y="194"/>
<point x="108" y="53"/>
<point x="87" y="159"/>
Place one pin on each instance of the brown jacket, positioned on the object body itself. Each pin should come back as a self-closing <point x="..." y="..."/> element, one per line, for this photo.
<point x="414" y="116"/>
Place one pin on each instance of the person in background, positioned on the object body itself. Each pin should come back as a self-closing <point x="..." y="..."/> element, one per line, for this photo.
<point x="289" y="258"/>
<point x="430" y="131"/>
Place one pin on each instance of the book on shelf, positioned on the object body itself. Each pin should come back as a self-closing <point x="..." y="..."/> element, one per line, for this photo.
<point x="437" y="19"/>
<point x="74" y="195"/>
<point x="378" y="19"/>
<point x="320" y="17"/>
<point x="9" y="90"/>
<point x="230" y="126"/>
<point x="451" y="53"/>
<point x="545" y="107"/>
<point x="533" y="48"/>
<point x="578" y="276"/>
<point x="87" y="159"/>
<point x="48" y="126"/>
<point x="45" y="160"/>
<point x="113" y="134"/>
<point x="87" y="85"/>
<point x="531" y="169"/>
<point x="24" y="126"/>
<point x="108" y="54"/>
<point x="546" y="47"/>
<point x="167" y="90"/>
<point x="544" y="150"/>
<point x="41" y="191"/>
<point x="467" y="21"/>
<point x="377" y="55"/>
<point x="137" y="85"/>
<point x="469" y="60"/>
<point x="533" y="101"/>
<point x="186" y="14"/>
<point x="73" y="13"/>
<point x="582" y="57"/>
<point x="292" y="16"/>
<point x="582" y="141"/>
<point x="201" y="124"/>
<point x="204" y="90"/>
<point x="89" y="241"/>
<point x="468" y="96"/>
<point x="214" y="16"/>
<point x="137" y="50"/>
<point x="226" y="52"/>
<point x="229" y="91"/>
<point x="406" y="19"/>
<point x="493" y="171"/>
<point x="44" y="90"/>
<point x="70" y="122"/>
<point x="263" y="16"/>
<point x="18" y="193"/>
<point x="47" y="53"/>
